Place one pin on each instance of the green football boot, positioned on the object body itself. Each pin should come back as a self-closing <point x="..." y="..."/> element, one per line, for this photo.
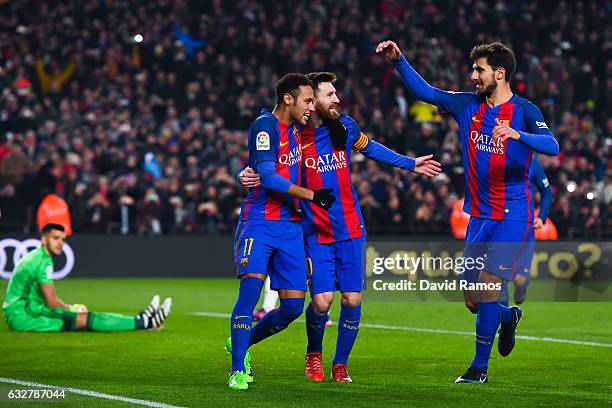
<point x="237" y="381"/>
<point x="247" y="361"/>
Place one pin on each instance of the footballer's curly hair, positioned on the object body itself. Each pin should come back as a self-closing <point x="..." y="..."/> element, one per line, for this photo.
<point x="290" y="84"/>
<point x="498" y="55"/>
<point x="319" y="77"/>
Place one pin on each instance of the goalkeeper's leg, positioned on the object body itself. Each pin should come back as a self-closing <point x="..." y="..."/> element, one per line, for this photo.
<point x="105" y="322"/>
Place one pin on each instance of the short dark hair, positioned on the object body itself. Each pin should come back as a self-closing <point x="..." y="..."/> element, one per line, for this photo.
<point x="290" y="84"/>
<point x="320" y="77"/>
<point x="498" y="55"/>
<point x="47" y="228"/>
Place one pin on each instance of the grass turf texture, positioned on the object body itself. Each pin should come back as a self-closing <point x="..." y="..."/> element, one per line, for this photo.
<point x="186" y="364"/>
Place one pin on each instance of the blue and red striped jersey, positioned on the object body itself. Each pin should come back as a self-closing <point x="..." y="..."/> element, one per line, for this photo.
<point x="271" y="140"/>
<point x="324" y="166"/>
<point x="496" y="173"/>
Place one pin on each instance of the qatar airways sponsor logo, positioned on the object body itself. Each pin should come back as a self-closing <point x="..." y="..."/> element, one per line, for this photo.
<point x="293" y="157"/>
<point x="486" y="143"/>
<point x="327" y="162"/>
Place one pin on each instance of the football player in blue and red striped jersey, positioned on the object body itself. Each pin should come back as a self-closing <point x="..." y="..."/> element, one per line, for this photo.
<point x="335" y="239"/>
<point x="498" y="131"/>
<point x="269" y="237"/>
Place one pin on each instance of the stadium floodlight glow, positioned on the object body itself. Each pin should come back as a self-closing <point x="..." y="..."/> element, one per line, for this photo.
<point x="138" y="38"/>
<point x="590" y="195"/>
<point x="571" y="186"/>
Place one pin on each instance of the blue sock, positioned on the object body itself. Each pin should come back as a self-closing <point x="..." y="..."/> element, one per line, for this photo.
<point x="242" y="319"/>
<point x="348" y="327"/>
<point x="277" y="319"/>
<point x="315" y="329"/>
<point x="486" y="326"/>
<point x="503" y="294"/>
<point x="505" y="313"/>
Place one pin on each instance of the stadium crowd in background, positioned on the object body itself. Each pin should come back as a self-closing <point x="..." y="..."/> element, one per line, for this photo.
<point x="137" y="113"/>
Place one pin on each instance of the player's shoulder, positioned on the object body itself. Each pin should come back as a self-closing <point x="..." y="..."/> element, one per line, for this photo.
<point x="33" y="258"/>
<point x="526" y="104"/>
<point x="349" y="122"/>
<point x="35" y="255"/>
<point x="265" y="120"/>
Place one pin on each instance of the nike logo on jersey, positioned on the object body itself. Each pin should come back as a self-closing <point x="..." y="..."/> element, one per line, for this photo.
<point x="283" y="144"/>
<point x="503" y="268"/>
<point x="307" y="145"/>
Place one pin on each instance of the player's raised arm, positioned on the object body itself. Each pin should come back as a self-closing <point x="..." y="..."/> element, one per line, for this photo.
<point x="413" y="81"/>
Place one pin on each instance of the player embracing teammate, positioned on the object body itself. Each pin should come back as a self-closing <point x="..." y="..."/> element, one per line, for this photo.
<point x="334" y="238"/>
<point x="498" y="132"/>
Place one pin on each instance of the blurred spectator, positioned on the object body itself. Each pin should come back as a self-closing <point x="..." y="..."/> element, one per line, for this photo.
<point x="136" y="113"/>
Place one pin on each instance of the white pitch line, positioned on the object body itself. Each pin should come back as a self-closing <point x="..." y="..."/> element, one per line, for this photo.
<point x="89" y="393"/>
<point x="438" y="331"/>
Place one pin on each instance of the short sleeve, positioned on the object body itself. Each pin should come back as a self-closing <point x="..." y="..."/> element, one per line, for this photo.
<point x="453" y="102"/>
<point x="44" y="272"/>
<point x="263" y="140"/>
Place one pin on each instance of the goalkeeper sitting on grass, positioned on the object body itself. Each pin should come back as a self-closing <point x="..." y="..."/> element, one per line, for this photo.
<point x="31" y="304"/>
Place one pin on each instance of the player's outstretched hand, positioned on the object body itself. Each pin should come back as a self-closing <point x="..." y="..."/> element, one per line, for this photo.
<point x="337" y="132"/>
<point x="502" y="131"/>
<point x="248" y="178"/>
<point x="390" y="50"/>
<point x="427" y="166"/>
<point x="323" y="198"/>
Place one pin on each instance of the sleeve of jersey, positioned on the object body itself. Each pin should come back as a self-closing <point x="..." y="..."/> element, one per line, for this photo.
<point x="540" y="179"/>
<point x="453" y="102"/>
<point x="43" y="274"/>
<point x="538" y="137"/>
<point x="413" y="81"/>
<point x="270" y="180"/>
<point x="382" y="154"/>
<point x="263" y="136"/>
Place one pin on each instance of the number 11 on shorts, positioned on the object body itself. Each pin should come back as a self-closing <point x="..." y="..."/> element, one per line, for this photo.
<point x="248" y="245"/>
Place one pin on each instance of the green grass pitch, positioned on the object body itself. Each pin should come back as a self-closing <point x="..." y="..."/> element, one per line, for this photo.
<point x="185" y="364"/>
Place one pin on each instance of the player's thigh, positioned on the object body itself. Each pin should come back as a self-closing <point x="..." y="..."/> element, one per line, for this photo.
<point x="288" y="262"/>
<point x="350" y="264"/>
<point x="476" y="248"/>
<point x="321" y="267"/>
<point x="252" y="247"/>
<point x="22" y="321"/>
<point x="510" y="249"/>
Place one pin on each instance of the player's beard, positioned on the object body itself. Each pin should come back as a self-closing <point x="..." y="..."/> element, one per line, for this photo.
<point x="487" y="91"/>
<point x="328" y="112"/>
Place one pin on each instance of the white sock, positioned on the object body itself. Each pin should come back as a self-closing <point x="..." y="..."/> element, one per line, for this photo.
<point x="270" y="297"/>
